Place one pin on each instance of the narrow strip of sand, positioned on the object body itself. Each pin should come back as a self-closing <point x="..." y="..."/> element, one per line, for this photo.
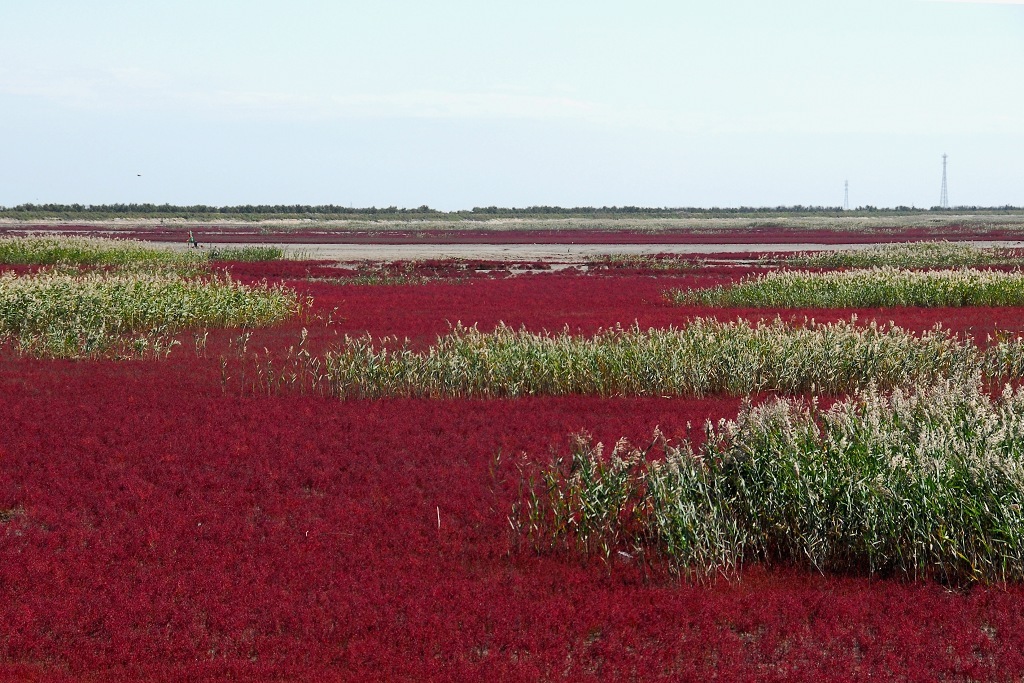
<point x="540" y="252"/>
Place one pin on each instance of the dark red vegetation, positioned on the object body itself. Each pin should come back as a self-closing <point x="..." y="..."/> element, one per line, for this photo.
<point x="283" y="269"/>
<point x="19" y="269"/>
<point x="581" y="303"/>
<point x="153" y="528"/>
<point x="449" y="269"/>
<point x="587" y="303"/>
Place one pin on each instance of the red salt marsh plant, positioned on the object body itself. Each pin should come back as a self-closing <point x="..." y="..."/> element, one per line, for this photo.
<point x="159" y="529"/>
<point x="586" y="304"/>
<point x="169" y="532"/>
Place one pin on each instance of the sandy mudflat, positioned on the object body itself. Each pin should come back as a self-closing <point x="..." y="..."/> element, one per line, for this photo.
<point x="566" y="253"/>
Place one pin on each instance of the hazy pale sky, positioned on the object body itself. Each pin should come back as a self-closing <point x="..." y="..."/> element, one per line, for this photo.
<point x="456" y="104"/>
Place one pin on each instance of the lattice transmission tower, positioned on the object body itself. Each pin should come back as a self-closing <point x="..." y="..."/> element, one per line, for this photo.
<point x="846" y="196"/>
<point x="944" y="197"/>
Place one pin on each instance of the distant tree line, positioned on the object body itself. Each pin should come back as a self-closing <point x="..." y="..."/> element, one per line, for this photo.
<point x="264" y="211"/>
<point x="268" y="209"/>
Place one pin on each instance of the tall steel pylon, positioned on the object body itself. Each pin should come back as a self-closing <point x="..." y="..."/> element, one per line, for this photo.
<point x="846" y="196"/>
<point x="944" y="197"/>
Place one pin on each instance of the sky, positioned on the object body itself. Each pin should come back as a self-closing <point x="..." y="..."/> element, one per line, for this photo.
<point x="459" y="103"/>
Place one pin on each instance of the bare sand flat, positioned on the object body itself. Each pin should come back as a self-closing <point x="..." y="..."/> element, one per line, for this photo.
<point x="555" y="253"/>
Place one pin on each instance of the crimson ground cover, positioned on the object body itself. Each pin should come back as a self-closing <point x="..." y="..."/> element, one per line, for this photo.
<point x="158" y="529"/>
<point x="587" y="303"/>
<point x="155" y="526"/>
<point x="551" y="301"/>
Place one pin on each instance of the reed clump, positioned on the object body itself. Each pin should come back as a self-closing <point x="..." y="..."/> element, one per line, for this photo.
<point x="55" y="314"/>
<point x="925" y="482"/>
<point x="92" y="251"/>
<point x="704" y="357"/>
<point x="928" y="254"/>
<point x="248" y="253"/>
<point x="371" y="273"/>
<point x="869" y="288"/>
<point x="124" y="254"/>
<point x="659" y="263"/>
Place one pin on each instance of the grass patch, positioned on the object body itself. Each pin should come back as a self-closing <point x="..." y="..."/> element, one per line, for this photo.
<point x="705" y="357"/>
<point x="124" y="254"/>
<point x="923" y="483"/>
<point x="52" y="314"/>
<point x="244" y="254"/>
<point x="659" y="263"/>
<point x="89" y="251"/>
<point x="373" y="273"/>
<point x="931" y="254"/>
<point x="870" y="288"/>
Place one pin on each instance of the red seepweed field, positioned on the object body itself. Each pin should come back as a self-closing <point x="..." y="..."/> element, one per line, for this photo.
<point x="157" y="522"/>
<point x="530" y="232"/>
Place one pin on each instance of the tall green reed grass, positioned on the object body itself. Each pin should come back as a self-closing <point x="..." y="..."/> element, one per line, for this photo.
<point x="929" y="254"/>
<point x="925" y="482"/>
<point x="92" y="251"/>
<point x="249" y="253"/>
<point x="704" y="357"/>
<point x="666" y="263"/>
<point x="870" y="288"/>
<point x="127" y="254"/>
<point x="53" y="314"/>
